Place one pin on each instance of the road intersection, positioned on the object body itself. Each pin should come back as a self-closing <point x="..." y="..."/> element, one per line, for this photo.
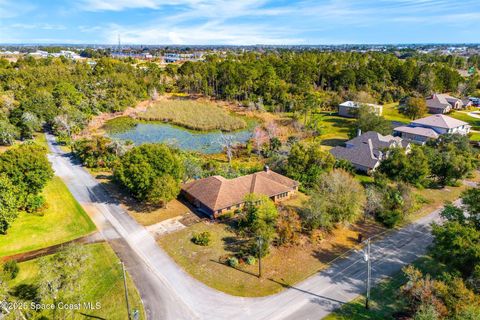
<point x="168" y="292"/>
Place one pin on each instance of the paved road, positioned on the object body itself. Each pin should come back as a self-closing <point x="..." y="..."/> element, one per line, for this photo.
<point x="169" y="293"/>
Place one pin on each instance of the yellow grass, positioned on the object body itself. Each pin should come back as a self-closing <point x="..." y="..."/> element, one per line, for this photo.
<point x="193" y="115"/>
<point x="282" y="267"/>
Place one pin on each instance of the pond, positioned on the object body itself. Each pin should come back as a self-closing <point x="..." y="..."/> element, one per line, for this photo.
<point x="206" y="142"/>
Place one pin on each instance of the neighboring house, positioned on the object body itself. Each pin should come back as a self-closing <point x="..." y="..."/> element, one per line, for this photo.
<point x="421" y="130"/>
<point x="216" y="195"/>
<point x="443" y="103"/>
<point x="349" y="108"/>
<point x="366" y="151"/>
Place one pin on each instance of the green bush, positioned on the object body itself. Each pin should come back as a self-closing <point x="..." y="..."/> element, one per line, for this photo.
<point x="120" y="124"/>
<point x="390" y="218"/>
<point x="202" y="238"/>
<point x="34" y="203"/>
<point x="232" y="262"/>
<point x="11" y="269"/>
<point x="251" y="260"/>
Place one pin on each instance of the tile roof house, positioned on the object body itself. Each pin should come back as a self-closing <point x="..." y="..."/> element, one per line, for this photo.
<point x="421" y="130"/>
<point x="443" y="103"/>
<point x="366" y="151"/>
<point x="216" y="195"/>
<point x="348" y="108"/>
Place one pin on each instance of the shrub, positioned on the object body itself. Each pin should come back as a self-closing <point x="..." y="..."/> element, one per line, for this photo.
<point x="11" y="269"/>
<point x="390" y="218"/>
<point x="34" y="203"/>
<point x="251" y="260"/>
<point x="202" y="238"/>
<point x="232" y="262"/>
<point x="120" y="124"/>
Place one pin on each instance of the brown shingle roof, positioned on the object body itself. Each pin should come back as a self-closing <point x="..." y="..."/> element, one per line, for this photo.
<point x="218" y="193"/>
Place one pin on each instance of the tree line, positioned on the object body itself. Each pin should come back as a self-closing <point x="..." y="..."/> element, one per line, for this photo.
<point x="65" y="94"/>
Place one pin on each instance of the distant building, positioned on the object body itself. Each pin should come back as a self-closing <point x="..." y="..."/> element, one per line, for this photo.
<point x="366" y="151"/>
<point x="424" y="129"/>
<point x="216" y="195"/>
<point x="443" y="103"/>
<point x="349" y="108"/>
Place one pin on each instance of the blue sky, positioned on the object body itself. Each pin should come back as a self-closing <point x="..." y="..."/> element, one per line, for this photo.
<point x="239" y="21"/>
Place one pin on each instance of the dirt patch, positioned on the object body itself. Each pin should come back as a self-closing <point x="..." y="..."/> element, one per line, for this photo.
<point x="97" y="122"/>
<point x="92" y="238"/>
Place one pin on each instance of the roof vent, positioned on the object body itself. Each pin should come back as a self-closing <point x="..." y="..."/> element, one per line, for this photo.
<point x="266" y="168"/>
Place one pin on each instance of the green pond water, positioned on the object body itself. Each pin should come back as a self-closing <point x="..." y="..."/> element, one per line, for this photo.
<point x="206" y="142"/>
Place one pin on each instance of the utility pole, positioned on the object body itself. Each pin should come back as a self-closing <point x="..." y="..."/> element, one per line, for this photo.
<point x="367" y="258"/>
<point x="260" y="245"/>
<point x="126" y="291"/>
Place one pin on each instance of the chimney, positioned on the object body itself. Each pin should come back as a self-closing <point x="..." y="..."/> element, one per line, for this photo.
<point x="266" y="168"/>
<point x="359" y="132"/>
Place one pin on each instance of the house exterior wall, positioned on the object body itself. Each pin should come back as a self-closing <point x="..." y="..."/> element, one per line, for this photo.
<point x="347" y="112"/>
<point x="463" y="130"/>
<point x="447" y="109"/>
<point x="412" y="137"/>
<point x="215" y="214"/>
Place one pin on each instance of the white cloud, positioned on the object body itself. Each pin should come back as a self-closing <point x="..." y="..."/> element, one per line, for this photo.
<point x="208" y="33"/>
<point x="11" y="9"/>
<point x="43" y="26"/>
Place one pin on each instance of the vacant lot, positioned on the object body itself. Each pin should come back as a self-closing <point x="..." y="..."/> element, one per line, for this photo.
<point x="195" y="115"/>
<point x="103" y="282"/>
<point x="62" y="220"/>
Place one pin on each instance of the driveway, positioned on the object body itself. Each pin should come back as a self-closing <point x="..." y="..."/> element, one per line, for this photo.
<point x="170" y="293"/>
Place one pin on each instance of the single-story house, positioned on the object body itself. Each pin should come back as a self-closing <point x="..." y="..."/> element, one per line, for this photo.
<point x="216" y="195"/>
<point x="348" y="108"/>
<point x="443" y="103"/>
<point x="431" y="127"/>
<point x="366" y="151"/>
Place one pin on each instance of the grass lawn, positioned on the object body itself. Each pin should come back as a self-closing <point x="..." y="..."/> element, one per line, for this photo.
<point x="475" y="136"/>
<point x="282" y="267"/>
<point x="335" y="129"/>
<point x="191" y="114"/>
<point x="384" y="302"/>
<point x="463" y="115"/>
<point x="62" y="220"/>
<point x="435" y="198"/>
<point x="103" y="283"/>
<point x="390" y="112"/>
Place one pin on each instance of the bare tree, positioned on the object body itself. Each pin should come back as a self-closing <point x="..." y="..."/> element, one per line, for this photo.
<point x="272" y="129"/>
<point x="259" y="137"/>
<point x="63" y="123"/>
<point x="119" y="147"/>
<point x="228" y="143"/>
<point x="154" y="94"/>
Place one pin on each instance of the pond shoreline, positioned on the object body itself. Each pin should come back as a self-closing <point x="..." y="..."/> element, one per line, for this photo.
<point x="185" y="139"/>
